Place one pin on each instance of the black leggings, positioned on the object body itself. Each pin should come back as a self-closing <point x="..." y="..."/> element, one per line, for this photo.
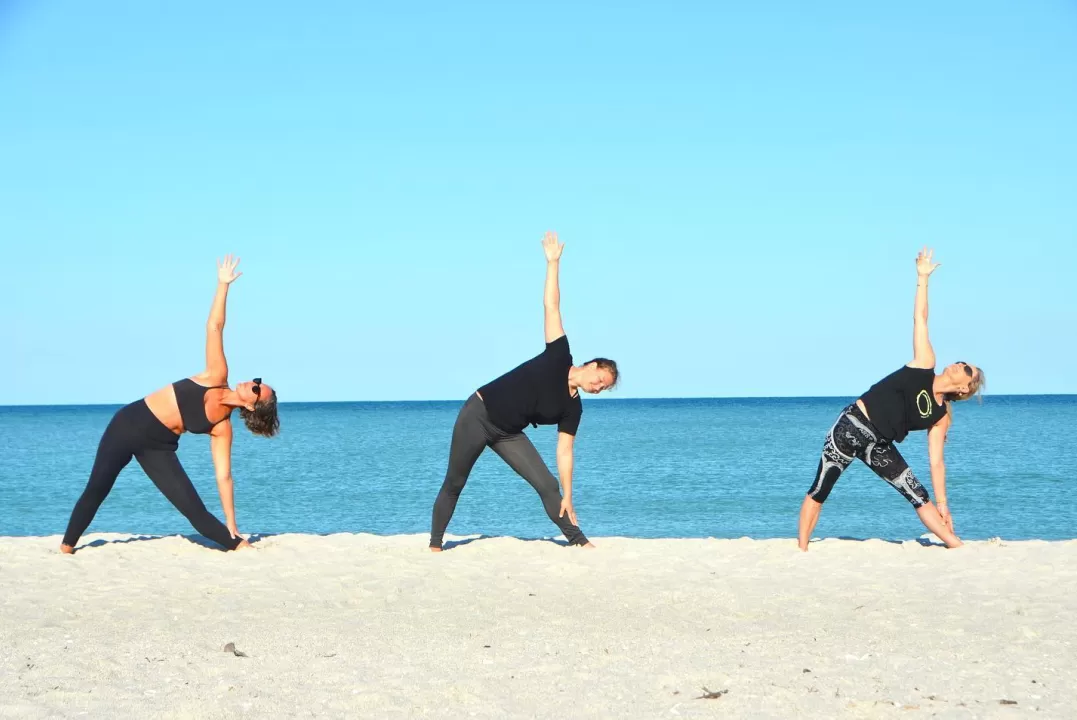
<point x="136" y="432"/>
<point x="853" y="436"/>
<point x="471" y="435"/>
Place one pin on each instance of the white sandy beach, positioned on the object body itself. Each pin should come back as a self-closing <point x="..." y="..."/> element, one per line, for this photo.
<point x="368" y="626"/>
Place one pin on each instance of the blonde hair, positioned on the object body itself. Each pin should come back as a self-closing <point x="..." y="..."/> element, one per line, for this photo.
<point x="976" y="387"/>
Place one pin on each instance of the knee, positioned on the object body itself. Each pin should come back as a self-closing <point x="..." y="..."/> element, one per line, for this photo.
<point x="820" y="489"/>
<point x="195" y="512"/>
<point x="547" y="488"/>
<point x="93" y="494"/>
<point x="453" y="485"/>
<point x="551" y="501"/>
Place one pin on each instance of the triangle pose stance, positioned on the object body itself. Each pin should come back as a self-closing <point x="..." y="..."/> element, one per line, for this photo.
<point x="911" y="398"/>
<point x="149" y="430"/>
<point x="542" y="391"/>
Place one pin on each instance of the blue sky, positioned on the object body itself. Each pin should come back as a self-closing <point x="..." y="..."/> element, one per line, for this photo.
<point x="742" y="189"/>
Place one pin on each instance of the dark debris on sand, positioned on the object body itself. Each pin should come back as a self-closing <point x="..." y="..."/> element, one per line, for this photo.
<point x="231" y="647"/>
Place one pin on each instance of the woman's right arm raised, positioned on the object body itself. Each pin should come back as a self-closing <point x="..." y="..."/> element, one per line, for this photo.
<point x="551" y="296"/>
<point x="216" y="365"/>
<point x="923" y="353"/>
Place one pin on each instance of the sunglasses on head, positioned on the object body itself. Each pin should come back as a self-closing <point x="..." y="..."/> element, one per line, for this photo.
<point x="968" y="370"/>
<point x="257" y="387"/>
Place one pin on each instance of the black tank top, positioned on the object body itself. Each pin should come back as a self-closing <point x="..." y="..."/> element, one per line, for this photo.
<point x="903" y="401"/>
<point x="191" y="398"/>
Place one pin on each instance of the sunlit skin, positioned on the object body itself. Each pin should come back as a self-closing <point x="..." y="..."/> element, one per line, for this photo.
<point x="957" y="378"/>
<point x="590" y="378"/>
<point x="220" y="401"/>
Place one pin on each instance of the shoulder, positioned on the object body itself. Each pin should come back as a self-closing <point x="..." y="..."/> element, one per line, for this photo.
<point x="209" y="378"/>
<point x="223" y="429"/>
<point x="558" y="347"/>
<point x="561" y="342"/>
<point x="914" y="367"/>
<point x="569" y="423"/>
<point x="942" y="425"/>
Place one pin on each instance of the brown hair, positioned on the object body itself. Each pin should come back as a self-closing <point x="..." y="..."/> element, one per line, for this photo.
<point x="263" y="419"/>
<point x="608" y="365"/>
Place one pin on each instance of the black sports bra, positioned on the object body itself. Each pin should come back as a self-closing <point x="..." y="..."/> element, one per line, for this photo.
<point x="191" y="398"/>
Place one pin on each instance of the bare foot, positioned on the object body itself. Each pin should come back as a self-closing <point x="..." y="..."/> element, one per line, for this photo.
<point x="434" y="549"/>
<point x="67" y="549"/>
<point x="243" y="544"/>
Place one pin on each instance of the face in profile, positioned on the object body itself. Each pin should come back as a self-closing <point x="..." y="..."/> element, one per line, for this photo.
<point x="595" y="378"/>
<point x="259" y="409"/>
<point x="253" y="392"/>
<point x="965" y="377"/>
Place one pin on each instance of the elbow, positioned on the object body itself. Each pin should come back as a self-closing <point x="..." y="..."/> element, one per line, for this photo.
<point x="938" y="467"/>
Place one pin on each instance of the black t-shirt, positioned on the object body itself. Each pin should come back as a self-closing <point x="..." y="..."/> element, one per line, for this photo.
<point x="535" y="392"/>
<point x="903" y="401"/>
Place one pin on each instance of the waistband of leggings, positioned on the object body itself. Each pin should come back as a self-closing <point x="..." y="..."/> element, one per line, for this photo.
<point x="493" y="430"/>
<point x="856" y="412"/>
<point x="141" y="419"/>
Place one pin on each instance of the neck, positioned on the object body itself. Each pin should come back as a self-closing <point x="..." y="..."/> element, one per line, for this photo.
<point x="573" y="379"/>
<point x="942" y="386"/>
<point x="231" y="398"/>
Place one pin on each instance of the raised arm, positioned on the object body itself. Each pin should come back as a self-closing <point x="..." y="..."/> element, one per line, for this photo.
<point x="922" y="352"/>
<point x="551" y="297"/>
<point x="216" y="371"/>
<point x="220" y="446"/>
<point x="564" y="470"/>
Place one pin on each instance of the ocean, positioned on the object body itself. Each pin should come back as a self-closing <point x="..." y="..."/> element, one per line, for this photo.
<point x="644" y="468"/>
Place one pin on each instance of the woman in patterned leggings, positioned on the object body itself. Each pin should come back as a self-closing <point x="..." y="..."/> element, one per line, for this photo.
<point x="911" y="398"/>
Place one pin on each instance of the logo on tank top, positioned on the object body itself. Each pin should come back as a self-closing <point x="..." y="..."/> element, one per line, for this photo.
<point x="923" y="404"/>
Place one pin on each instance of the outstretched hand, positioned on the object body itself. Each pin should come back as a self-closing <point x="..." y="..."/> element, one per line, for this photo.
<point x="226" y="271"/>
<point x="551" y="246"/>
<point x="924" y="264"/>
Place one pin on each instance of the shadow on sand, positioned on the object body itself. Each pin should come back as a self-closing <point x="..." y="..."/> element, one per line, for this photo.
<point x="921" y="541"/>
<point x="193" y="539"/>
<point x="451" y="544"/>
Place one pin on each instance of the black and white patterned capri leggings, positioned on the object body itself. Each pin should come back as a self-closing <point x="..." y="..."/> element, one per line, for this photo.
<point x="853" y="436"/>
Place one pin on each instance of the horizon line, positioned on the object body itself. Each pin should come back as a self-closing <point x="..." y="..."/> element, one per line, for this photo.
<point x="605" y="399"/>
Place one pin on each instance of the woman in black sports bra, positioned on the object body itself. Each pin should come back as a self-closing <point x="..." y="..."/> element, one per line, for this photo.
<point x="149" y="429"/>
<point x="911" y="398"/>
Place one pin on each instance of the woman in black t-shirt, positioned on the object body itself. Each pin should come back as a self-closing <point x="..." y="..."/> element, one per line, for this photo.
<point x="911" y="398"/>
<point x="542" y="391"/>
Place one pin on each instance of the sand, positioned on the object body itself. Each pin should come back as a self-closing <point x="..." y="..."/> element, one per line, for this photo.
<point x="367" y="626"/>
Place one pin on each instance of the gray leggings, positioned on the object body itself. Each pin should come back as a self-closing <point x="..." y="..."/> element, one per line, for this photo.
<point x="471" y="435"/>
